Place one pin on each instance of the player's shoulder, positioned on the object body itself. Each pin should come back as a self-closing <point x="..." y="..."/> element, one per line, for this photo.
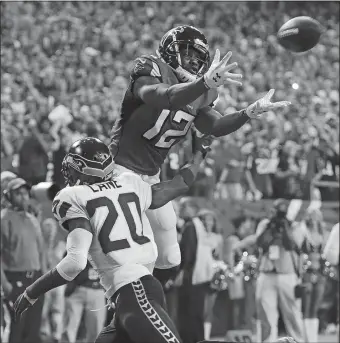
<point x="148" y="65"/>
<point x="70" y="203"/>
<point x="71" y="192"/>
<point x="65" y="194"/>
<point x="72" y="195"/>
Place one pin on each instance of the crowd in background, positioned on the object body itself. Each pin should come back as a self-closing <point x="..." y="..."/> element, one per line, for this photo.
<point x="76" y="57"/>
<point x="65" y="67"/>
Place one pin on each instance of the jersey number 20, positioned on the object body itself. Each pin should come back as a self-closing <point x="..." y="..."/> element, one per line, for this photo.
<point x="109" y="223"/>
<point x="168" y="138"/>
<point x="110" y="220"/>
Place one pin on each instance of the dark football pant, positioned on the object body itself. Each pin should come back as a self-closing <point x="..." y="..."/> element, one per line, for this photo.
<point x="140" y="316"/>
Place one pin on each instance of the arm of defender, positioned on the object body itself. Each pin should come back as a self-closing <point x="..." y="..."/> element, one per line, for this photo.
<point x="166" y="191"/>
<point x="161" y="95"/>
<point x="77" y="246"/>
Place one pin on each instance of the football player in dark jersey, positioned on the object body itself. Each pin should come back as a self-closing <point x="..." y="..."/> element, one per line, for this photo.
<point x="167" y="94"/>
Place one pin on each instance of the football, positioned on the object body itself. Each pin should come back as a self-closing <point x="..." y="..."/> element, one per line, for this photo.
<point x="300" y="34"/>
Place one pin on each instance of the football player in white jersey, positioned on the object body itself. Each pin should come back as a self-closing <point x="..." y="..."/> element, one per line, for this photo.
<point x="106" y="223"/>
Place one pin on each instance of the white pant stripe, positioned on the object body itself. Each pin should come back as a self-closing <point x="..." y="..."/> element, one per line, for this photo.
<point x="151" y="313"/>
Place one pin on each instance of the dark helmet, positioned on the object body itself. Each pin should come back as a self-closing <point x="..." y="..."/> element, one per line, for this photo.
<point x="176" y="43"/>
<point x="88" y="161"/>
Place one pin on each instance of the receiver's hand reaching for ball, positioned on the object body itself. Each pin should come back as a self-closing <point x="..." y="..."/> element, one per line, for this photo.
<point x="219" y="72"/>
<point x="264" y="104"/>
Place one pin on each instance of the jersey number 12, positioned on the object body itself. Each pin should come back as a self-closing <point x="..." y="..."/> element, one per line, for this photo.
<point x="168" y="138"/>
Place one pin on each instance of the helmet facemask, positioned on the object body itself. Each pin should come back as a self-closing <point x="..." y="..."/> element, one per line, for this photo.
<point x="188" y="60"/>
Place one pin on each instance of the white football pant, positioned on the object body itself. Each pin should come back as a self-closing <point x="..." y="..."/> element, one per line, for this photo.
<point x="163" y="221"/>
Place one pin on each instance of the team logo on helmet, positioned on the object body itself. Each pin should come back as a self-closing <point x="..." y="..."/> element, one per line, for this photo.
<point x="76" y="162"/>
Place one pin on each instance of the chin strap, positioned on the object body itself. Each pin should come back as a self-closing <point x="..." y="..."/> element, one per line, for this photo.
<point x="182" y="74"/>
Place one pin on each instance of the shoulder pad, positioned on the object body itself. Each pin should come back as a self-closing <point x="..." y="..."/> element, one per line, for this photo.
<point x="146" y="66"/>
<point x="66" y="206"/>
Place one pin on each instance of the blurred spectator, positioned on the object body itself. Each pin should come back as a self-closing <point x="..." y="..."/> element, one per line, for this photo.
<point x="286" y="182"/>
<point x="278" y="275"/>
<point x="241" y="292"/>
<point x="313" y="277"/>
<point x="6" y="177"/>
<point x="33" y="158"/>
<point x="209" y="221"/>
<point x="331" y="253"/>
<point x="229" y="184"/>
<point x="261" y="164"/>
<point x="84" y="298"/>
<point x="53" y="310"/>
<point x="22" y="258"/>
<point x="197" y="271"/>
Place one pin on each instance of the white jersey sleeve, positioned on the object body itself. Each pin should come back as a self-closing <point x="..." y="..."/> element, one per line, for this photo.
<point x="66" y="206"/>
<point x="141" y="188"/>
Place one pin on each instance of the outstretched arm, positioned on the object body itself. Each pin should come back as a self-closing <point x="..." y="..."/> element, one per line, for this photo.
<point x="210" y="121"/>
<point x="147" y="83"/>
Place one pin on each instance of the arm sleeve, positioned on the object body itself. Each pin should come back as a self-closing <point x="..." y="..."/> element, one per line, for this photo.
<point x="212" y="122"/>
<point x="77" y="247"/>
<point x="147" y="85"/>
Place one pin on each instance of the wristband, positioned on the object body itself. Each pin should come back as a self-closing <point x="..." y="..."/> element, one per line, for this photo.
<point x="243" y="113"/>
<point x="187" y="175"/>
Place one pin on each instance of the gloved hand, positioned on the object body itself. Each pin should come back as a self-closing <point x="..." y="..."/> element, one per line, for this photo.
<point x="218" y="73"/>
<point x="264" y="104"/>
<point x="22" y="303"/>
<point x="201" y="143"/>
